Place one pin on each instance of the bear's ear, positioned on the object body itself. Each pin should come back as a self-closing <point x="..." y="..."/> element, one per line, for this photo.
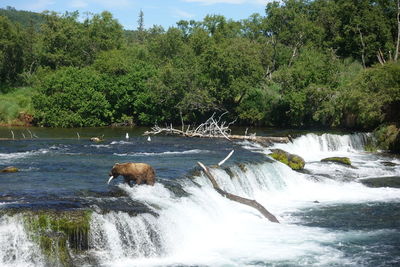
<point x="116" y="164"/>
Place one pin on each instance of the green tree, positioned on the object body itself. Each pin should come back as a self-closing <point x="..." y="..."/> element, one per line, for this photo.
<point x="62" y="40"/>
<point x="11" y="51"/>
<point x="374" y="96"/>
<point x="103" y="33"/>
<point x="125" y="77"/>
<point x="230" y="70"/>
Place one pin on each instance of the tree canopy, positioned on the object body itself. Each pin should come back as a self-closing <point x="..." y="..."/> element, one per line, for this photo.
<point x="329" y="63"/>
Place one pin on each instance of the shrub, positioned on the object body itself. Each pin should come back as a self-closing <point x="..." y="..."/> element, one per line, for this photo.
<point x="72" y="97"/>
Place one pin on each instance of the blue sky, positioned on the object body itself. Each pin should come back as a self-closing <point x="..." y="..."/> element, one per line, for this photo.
<point x="160" y="12"/>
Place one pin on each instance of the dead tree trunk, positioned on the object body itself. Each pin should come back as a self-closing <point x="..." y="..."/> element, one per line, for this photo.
<point x="362" y="46"/>
<point x="396" y="55"/>
<point x="242" y="200"/>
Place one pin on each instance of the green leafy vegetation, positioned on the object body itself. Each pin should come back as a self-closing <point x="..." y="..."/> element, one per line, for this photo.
<point x="303" y="63"/>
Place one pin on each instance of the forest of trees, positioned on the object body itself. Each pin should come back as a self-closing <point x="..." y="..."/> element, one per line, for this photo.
<point x="322" y="63"/>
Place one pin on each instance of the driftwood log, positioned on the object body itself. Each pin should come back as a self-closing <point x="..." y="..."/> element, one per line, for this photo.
<point x="242" y="200"/>
<point x="214" y="128"/>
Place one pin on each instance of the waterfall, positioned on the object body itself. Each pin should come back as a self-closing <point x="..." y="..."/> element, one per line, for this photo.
<point x="314" y="147"/>
<point x="117" y="234"/>
<point x="204" y="228"/>
<point x="16" y="248"/>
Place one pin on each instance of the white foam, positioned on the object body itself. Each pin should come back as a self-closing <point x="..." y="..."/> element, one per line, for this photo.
<point x="207" y="229"/>
<point x="10" y="157"/>
<point x="121" y="143"/>
<point x="193" y="151"/>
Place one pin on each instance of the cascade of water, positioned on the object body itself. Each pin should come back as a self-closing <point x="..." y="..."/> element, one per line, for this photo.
<point x="16" y="248"/>
<point x="314" y="147"/>
<point x="117" y="234"/>
<point x="207" y="229"/>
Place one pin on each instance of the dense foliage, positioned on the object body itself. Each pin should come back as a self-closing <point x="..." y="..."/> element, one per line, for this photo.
<point x="330" y="63"/>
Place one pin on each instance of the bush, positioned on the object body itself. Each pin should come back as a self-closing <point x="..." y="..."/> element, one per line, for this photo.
<point x="72" y="97"/>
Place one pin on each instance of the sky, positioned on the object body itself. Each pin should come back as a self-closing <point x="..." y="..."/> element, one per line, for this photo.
<point x="156" y="12"/>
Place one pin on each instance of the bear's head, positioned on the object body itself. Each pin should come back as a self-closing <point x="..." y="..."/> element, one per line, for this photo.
<point x="114" y="173"/>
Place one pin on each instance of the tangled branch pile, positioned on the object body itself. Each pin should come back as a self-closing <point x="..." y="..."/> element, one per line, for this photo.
<point x="210" y="128"/>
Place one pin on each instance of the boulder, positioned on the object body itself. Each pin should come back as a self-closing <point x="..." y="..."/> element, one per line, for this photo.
<point x="388" y="163"/>
<point x="96" y="139"/>
<point x="293" y="161"/>
<point x="340" y="160"/>
<point x="392" y="181"/>
<point x="10" y="169"/>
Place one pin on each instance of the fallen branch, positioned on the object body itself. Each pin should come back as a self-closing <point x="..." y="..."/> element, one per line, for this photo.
<point x="242" y="200"/>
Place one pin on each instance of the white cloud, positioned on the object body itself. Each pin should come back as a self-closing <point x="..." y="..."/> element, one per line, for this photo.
<point x="182" y="14"/>
<point x="39" y="5"/>
<point x="78" y="4"/>
<point x="113" y="3"/>
<point x="235" y="2"/>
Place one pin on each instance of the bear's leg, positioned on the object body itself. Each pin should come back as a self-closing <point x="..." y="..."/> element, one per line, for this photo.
<point x="138" y="180"/>
<point x="127" y="180"/>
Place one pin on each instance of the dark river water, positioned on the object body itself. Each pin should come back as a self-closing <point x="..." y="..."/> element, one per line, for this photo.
<point x="328" y="217"/>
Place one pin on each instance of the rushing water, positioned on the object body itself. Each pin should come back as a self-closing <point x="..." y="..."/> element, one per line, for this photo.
<point x="328" y="218"/>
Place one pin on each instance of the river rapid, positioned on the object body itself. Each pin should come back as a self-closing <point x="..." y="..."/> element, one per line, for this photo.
<point x="328" y="217"/>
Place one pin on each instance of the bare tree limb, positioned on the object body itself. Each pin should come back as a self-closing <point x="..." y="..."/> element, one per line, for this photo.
<point x="226" y="158"/>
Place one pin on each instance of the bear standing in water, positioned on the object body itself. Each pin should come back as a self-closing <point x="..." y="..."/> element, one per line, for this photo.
<point x="137" y="172"/>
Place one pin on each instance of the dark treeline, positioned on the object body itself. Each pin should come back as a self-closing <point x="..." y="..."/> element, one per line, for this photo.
<point x="326" y="63"/>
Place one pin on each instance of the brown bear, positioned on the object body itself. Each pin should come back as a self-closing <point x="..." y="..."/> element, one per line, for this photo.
<point x="137" y="172"/>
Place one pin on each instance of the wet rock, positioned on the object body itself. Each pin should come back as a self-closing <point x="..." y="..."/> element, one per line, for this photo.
<point x="243" y="167"/>
<point x="96" y="139"/>
<point x="230" y="172"/>
<point x="388" y="163"/>
<point x="10" y="169"/>
<point x="293" y="161"/>
<point x="393" y="181"/>
<point x="340" y="160"/>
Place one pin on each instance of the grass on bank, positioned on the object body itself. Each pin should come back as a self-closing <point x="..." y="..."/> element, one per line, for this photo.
<point x="17" y="101"/>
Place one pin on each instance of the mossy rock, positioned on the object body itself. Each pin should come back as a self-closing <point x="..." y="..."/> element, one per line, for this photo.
<point x="340" y="160"/>
<point x="58" y="233"/>
<point x="293" y="161"/>
<point x="10" y="169"/>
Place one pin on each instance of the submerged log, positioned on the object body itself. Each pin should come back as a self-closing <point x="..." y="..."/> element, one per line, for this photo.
<point x="242" y="200"/>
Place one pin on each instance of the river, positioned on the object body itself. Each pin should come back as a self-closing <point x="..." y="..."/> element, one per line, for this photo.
<point x="328" y="218"/>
